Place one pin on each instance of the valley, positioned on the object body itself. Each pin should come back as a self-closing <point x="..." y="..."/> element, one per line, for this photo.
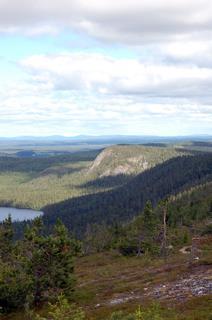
<point x="112" y="201"/>
<point x="35" y="182"/>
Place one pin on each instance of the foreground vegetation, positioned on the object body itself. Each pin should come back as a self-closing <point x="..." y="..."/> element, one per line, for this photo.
<point x="36" y="269"/>
<point x="121" y="271"/>
<point x="112" y="287"/>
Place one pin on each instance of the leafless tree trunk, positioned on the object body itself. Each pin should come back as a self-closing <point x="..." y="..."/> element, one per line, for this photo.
<point x="164" y="240"/>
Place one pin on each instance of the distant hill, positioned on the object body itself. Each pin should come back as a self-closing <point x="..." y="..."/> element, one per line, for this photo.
<point x="129" y="159"/>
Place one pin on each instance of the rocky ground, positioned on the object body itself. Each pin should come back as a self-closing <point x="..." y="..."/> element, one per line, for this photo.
<point x="196" y="283"/>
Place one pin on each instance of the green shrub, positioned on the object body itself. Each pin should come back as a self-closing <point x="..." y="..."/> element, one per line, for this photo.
<point x="152" y="313"/>
<point x="62" y="310"/>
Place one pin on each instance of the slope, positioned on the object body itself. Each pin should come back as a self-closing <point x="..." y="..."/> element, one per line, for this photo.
<point x="129" y="159"/>
<point x="122" y="203"/>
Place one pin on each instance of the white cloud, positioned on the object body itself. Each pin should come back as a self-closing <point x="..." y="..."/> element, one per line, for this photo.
<point x="168" y="82"/>
<point x="126" y="21"/>
<point x="101" y="74"/>
<point x="63" y="95"/>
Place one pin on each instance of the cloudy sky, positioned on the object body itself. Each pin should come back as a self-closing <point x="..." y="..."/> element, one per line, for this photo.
<point x="105" y="67"/>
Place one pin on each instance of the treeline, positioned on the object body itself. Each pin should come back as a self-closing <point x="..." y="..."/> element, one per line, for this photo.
<point x="123" y="203"/>
<point x="194" y="204"/>
<point x="141" y="235"/>
<point x="171" y="224"/>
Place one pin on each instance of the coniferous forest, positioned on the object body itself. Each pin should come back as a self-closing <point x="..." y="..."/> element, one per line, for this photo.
<point x="129" y="209"/>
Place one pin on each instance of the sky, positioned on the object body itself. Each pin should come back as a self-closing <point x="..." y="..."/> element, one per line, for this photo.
<point x="105" y="67"/>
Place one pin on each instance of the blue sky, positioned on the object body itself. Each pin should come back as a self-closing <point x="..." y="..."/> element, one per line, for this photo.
<point x="105" y="67"/>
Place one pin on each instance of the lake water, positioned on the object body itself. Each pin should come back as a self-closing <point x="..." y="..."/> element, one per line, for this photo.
<point x="19" y="214"/>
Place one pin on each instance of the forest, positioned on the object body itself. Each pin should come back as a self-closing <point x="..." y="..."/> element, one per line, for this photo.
<point x="123" y="203"/>
<point x="128" y="229"/>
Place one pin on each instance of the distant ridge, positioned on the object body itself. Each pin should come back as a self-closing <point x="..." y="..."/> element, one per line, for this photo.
<point x="116" y="138"/>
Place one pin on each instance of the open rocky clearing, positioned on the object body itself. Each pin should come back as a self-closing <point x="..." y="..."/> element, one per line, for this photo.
<point x="113" y="282"/>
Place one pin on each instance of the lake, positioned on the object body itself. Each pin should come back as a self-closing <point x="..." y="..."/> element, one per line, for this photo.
<point x="19" y="214"/>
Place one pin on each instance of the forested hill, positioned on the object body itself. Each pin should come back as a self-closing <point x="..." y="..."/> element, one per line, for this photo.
<point x="122" y="203"/>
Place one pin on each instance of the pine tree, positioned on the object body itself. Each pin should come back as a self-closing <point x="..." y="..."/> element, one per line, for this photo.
<point x="49" y="261"/>
<point x="36" y="269"/>
<point x="62" y="248"/>
<point x="14" y="282"/>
